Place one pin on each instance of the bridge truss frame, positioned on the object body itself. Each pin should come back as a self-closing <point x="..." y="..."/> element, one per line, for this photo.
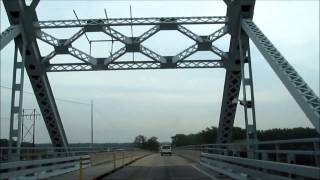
<point x="25" y="29"/>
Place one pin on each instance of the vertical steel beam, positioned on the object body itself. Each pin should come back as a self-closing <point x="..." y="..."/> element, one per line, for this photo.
<point x="20" y="14"/>
<point x="16" y="106"/>
<point x="248" y="97"/>
<point x="235" y="12"/>
<point x="91" y="124"/>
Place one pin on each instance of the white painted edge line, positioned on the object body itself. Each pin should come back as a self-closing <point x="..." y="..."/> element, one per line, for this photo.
<point x="205" y="173"/>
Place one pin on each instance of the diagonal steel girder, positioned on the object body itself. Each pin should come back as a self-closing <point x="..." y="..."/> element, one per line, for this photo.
<point x="189" y="33"/>
<point x="116" y="35"/>
<point x="47" y="58"/>
<point x="131" y="42"/>
<point x="53" y="41"/>
<point x="9" y="34"/>
<point x="114" y="56"/>
<point x="45" y="37"/>
<point x="195" y="47"/>
<point x="217" y="34"/>
<point x="146" y="35"/>
<point x="74" y="37"/>
<point x="19" y="13"/>
<point x="308" y="101"/>
<point x="82" y="55"/>
<point x="218" y="52"/>
<point x="185" y="53"/>
<point x="130" y="21"/>
<point x="151" y="54"/>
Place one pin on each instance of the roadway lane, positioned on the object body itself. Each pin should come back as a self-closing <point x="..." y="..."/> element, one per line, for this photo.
<point x="156" y="167"/>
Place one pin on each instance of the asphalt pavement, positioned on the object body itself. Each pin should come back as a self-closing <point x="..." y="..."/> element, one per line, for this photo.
<point x="156" y="167"/>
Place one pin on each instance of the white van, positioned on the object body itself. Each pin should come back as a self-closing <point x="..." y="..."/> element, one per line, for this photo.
<point x="165" y="149"/>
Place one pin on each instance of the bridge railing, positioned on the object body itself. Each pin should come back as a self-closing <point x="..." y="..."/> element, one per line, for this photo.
<point x="42" y="168"/>
<point x="33" y="153"/>
<point x="50" y="162"/>
<point x="281" y="159"/>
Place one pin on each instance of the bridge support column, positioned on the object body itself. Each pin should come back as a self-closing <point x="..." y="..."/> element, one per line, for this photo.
<point x="316" y="156"/>
<point x="15" y="133"/>
<point x="19" y="13"/>
<point x="277" y="148"/>
<point x="229" y="105"/>
<point x="248" y="97"/>
<point x="291" y="159"/>
<point x="236" y="11"/>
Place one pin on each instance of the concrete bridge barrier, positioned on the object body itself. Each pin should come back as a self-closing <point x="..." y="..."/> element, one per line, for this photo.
<point x="91" y="165"/>
<point x="188" y="154"/>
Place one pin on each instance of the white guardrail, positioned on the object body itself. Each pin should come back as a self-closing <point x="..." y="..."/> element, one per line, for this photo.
<point x="44" y="162"/>
<point x="38" y="169"/>
<point x="283" y="159"/>
<point x="33" y="153"/>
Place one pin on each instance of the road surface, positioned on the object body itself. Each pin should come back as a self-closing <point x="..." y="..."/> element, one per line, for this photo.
<point x="156" y="167"/>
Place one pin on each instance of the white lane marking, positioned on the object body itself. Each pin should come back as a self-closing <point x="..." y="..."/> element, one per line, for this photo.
<point x="205" y="173"/>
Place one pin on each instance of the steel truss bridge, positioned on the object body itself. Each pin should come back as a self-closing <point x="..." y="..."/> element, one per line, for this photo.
<point x="25" y="29"/>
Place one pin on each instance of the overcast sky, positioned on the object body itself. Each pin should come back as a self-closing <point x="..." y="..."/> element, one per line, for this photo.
<point x="163" y="103"/>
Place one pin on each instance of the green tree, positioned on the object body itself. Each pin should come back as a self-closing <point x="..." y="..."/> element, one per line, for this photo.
<point x="140" y="141"/>
<point x="153" y="144"/>
<point x="143" y="142"/>
<point x="180" y="140"/>
<point x="209" y="135"/>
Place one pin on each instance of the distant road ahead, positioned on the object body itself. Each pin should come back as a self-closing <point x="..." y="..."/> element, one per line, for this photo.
<point x="156" y="167"/>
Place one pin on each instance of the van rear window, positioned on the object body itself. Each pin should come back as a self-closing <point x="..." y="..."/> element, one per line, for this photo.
<point x="166" y="147"/>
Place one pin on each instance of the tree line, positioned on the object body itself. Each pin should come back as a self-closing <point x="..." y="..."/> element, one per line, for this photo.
<point x="209" y="135"/>
<point x="143" y="142"/>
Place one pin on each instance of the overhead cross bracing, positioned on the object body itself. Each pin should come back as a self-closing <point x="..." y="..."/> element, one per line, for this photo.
<point x="26" y="30"/>
<point x="132" y="44"/>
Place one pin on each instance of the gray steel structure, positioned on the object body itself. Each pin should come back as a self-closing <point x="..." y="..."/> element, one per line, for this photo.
<point x="25" y="29"/>
<point x="236" y="11"/>
<point x="20" y="15"/>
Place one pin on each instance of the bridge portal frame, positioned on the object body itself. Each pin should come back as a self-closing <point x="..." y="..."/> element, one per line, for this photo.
<point x="25" y="29"/>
